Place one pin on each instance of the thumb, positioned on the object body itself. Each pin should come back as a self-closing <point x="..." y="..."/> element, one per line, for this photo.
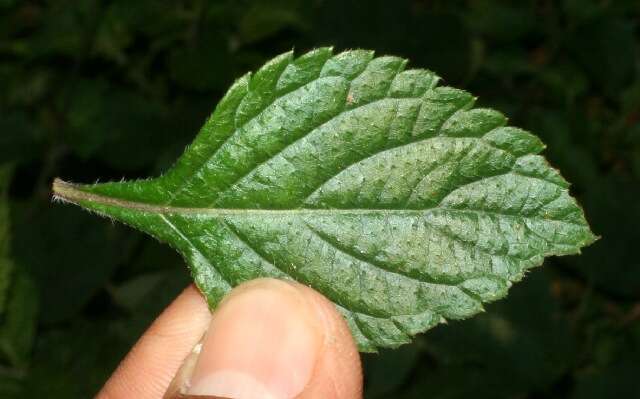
<point x="271" y="339"/>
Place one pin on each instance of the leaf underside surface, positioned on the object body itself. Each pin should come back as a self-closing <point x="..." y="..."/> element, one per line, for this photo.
<point x="391" y="195"/>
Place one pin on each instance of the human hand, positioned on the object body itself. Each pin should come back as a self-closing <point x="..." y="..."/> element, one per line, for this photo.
<point x="268" y="339"/>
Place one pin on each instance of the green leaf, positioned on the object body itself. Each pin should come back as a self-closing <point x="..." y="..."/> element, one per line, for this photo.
<point x="392" y="196"/>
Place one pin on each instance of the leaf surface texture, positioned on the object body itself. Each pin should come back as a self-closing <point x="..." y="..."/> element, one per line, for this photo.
<point x="391" y="195"/>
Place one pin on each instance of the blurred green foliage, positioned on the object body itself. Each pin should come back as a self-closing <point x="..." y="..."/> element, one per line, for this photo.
<point x="115" y="89"/>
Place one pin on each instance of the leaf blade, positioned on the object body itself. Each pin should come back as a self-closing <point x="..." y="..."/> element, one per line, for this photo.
<point x="393" y="197"/>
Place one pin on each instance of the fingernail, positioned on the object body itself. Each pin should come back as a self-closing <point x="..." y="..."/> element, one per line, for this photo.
<point x="263" y="342"/>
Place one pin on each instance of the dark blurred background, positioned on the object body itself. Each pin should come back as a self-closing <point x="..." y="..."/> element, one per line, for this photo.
<point x="116" y="89"/>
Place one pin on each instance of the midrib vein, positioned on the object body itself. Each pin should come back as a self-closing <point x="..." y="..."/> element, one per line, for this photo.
<point x="72" y="193"/>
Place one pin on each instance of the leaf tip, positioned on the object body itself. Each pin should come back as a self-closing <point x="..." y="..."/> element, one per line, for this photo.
<point x="593" y="238"/>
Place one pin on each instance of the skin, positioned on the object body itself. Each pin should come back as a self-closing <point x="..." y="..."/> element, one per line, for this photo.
<point x="282" y="334"/>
